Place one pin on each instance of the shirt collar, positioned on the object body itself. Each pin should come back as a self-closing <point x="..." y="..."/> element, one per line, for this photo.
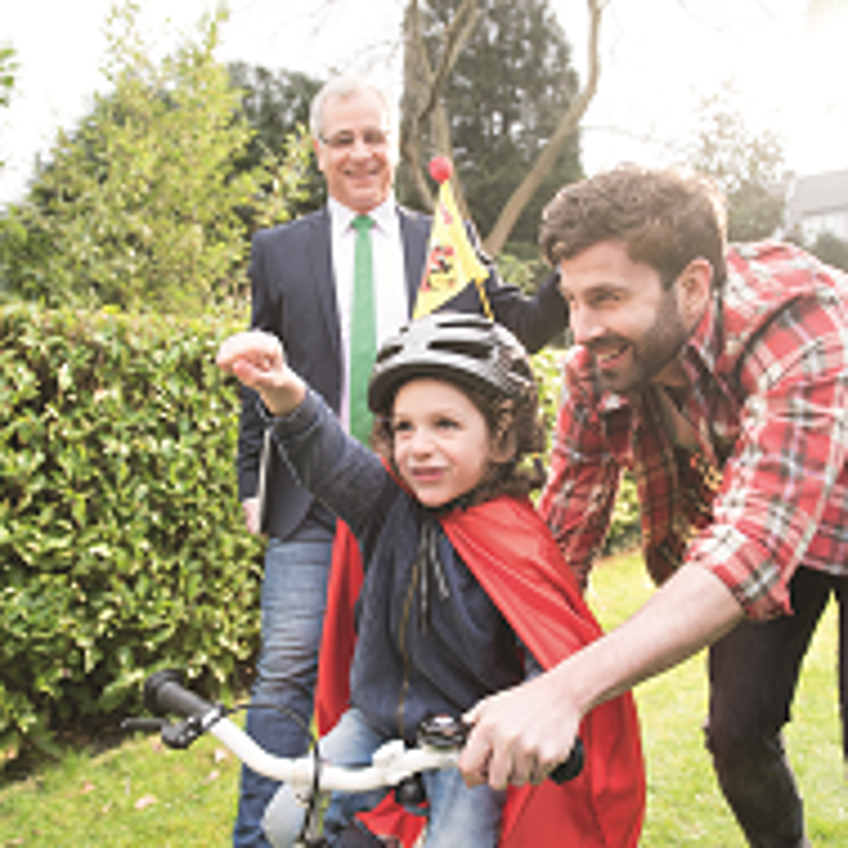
<point x="703" y="345"/>
<point x="342" y="216"/>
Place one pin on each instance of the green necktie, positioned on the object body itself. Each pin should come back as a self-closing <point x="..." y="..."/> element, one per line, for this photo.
<point x="363" y="330"/>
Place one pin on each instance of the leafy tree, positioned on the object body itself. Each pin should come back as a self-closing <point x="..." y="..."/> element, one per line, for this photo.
<point x="7" y="74"/>
<point x="7" y="77"/>
<point x="140" y="206"/>
<point x="831" y="249"/>
<point x="747" y="167"/>
<point x="276" y="105"/>
<point x="507" y="90"/>
<point x="436" y="37"/>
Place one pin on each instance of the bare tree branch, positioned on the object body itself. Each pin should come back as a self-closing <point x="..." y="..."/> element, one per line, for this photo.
<point x="567" y="126"/>
<point x="422" y="94"/>
<point x="416" y="75"/>
<point x="457" y="33"/>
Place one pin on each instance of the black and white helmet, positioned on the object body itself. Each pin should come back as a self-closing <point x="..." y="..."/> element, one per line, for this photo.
<point x="466" y="348"/>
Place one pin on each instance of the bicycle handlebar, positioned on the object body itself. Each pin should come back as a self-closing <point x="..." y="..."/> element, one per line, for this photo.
<point x="439" y="745"/>
<point x="164" y="693"/>
<point x="391" y="764"/>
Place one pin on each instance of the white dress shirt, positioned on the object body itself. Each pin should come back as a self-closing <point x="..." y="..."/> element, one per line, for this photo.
<point x="389" y="270"/>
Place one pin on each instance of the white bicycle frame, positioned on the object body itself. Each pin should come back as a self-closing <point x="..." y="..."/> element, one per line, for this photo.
<point x="309" y="777"/>
<point x="392" y="763"/>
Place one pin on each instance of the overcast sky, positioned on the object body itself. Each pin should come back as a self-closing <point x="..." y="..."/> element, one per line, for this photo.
<point x="659" y="59"/>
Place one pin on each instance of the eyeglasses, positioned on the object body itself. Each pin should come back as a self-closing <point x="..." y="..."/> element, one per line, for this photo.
<point x="345" y="140"/>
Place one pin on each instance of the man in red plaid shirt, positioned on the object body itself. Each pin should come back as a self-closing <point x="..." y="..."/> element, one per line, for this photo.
<point x="719" y="377"/>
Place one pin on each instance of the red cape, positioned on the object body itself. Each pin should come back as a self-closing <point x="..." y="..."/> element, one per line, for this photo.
<point x="513" y="555"/>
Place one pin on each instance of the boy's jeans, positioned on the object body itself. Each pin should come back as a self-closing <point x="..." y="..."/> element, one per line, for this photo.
<point x="455" y="811"/>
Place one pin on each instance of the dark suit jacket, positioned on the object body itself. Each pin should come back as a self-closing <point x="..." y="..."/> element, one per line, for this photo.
<point x="294" y="297"/>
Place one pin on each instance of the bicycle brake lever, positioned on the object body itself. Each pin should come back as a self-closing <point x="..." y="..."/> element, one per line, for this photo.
<point x="442" y="731"/>
<point x="146" y="725"/>
<point x="177" y="736"/>
<point x="446" y="731"/>
<point x="180" y="736"/>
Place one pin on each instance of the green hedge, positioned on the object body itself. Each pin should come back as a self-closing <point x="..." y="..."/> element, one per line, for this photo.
<point x="121" y="542"/>
<point x="122" y="548"/>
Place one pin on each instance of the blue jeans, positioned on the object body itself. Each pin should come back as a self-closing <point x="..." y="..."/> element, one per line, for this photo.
<point x="455" y="811"/>
<point x="294" y="597"/>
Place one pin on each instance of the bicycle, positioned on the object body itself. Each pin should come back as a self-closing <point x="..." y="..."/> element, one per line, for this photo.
<point x="439" y="742"/>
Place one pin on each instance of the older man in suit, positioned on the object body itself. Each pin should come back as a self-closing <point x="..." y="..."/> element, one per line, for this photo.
<point x="302" y="277"/>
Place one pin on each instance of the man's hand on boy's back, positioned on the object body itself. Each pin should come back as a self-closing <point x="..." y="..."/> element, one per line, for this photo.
<point x="256" y="359"/>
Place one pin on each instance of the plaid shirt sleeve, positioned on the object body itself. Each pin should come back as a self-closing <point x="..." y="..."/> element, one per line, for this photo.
<point x="790" y="457"/>
<point x="584" y="474"/>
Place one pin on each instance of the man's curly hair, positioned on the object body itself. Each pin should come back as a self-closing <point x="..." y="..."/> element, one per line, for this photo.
<point x="666" y="217"/>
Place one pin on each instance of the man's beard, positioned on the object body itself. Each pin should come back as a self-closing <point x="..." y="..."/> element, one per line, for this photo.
<point x="650" y="353"/>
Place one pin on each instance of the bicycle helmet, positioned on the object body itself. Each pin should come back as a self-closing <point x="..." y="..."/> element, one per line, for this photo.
<point x="466" y="348"/>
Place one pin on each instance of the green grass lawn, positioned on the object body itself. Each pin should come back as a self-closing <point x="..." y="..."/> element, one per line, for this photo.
<point x="139" y="794"/>
<point x="684" y="804"/>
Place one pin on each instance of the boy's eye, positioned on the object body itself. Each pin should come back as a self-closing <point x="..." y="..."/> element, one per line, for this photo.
<point x="446" y="423"/>
<point x="401" y="427"/>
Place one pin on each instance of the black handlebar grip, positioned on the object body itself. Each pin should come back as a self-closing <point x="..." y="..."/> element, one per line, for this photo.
<point x="164" y="693"/>
<point x="446" y="731"/>
<point x="570" y="768"/>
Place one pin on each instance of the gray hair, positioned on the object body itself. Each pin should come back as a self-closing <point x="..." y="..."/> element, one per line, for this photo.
<point x="344" y="86"/>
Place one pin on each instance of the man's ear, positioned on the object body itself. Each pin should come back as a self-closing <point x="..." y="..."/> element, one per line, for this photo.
<point x="319" y="154"/>
<point x="693" y="290"/>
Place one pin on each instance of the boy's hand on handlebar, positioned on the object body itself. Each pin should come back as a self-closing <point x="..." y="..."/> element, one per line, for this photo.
<point x="519" y="736"/>
<point x="256" y="358"/>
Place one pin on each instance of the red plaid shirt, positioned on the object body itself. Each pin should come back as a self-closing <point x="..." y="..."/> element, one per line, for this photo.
<point x="768" y="488"/>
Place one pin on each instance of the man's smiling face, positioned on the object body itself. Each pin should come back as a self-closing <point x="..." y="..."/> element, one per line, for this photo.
<point x="354" y="152"/>
<point x="621" y="313"/>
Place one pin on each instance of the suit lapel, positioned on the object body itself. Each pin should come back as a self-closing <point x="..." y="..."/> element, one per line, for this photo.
<point x="319" y="253"/>
<point x="415" y="233"/>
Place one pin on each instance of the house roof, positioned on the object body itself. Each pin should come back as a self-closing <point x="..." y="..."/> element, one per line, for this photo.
<point x="818" y="194"/>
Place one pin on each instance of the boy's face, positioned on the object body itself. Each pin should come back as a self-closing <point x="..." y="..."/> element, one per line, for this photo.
<point x="442" y="445"/>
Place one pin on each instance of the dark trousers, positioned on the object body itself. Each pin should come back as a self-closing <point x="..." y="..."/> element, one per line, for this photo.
<point x="754" y="673"/>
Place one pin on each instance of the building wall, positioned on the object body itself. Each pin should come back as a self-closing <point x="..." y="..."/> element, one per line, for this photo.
<point x="818" y="203"/>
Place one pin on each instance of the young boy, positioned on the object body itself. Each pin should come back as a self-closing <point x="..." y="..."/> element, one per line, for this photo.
<point x="464" y="590"/>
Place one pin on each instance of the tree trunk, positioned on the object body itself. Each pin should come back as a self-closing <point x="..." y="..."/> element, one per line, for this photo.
<point x="422" y="95"/>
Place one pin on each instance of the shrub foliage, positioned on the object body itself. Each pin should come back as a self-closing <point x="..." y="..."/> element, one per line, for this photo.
<point x="150" y="201"/>
<point x="121" y="542"/>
